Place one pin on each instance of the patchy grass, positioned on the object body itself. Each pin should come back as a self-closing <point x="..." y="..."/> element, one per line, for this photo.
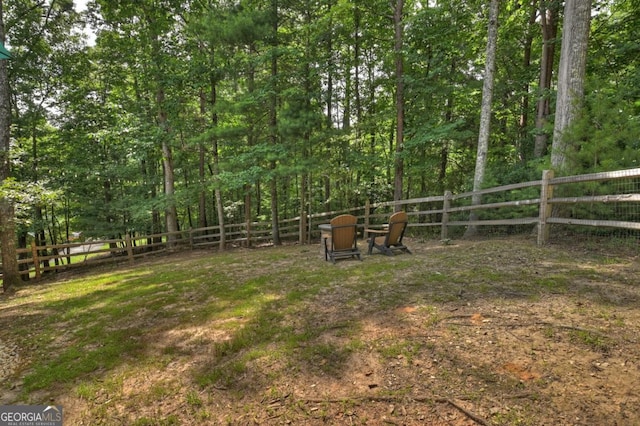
<point x="495" y="332"/>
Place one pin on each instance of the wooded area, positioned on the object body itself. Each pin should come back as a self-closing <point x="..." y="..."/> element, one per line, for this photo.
<point x="611" y="200"/>
<point x="177" y="115"/>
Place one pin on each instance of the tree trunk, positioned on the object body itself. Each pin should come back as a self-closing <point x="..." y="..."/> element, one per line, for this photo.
<point x="216" y="163"/>
<point x="220" y="211"/>
<point x="573" y="60"/>
<point x="448" y="118"/>
<point x="306" y="147"/>
<point x="549" y="24"/>
<point x="247" y="213"/>
<point x="251" y="141"/>
<point x="329" y="70"/>
<point x="170" y="212"/>
<point x="357" y="64"/>
<point x="523" y="124"/>
<point x="485" y="113"/>
<point x="202" y="192"/>
<point x="273" y="126"/>
<point x="10" y="275"/>
<point x="38" y="218"/>
<point x="399" y="63"/>
<point x="302" y="230"/>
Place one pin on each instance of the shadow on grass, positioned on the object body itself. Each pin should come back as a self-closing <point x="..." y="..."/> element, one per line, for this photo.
<point x="250" y="316"/>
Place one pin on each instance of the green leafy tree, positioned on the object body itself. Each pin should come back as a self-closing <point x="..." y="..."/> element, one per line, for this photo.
<point x="10" y="276"/>
<point x="441" y="115"/>
<point x="46" y="44"/>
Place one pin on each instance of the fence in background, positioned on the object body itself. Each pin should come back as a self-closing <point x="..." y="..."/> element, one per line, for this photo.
<point x="609" y="200"/>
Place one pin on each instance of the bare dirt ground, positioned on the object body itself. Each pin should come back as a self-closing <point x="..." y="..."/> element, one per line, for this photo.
<point x="495" y="333"/>
<point x="488" y="351"/>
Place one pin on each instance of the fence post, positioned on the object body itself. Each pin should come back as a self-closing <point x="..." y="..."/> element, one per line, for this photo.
<point x="302" y="226"/>
<point x="367" y="206"/>
<point x="309" y="226"/>
<point x="546" y="193"/>
<point x="446" y="205"/>
<point x="127" y="243"/>
<point x="247" y="225"/>
<point x="36" y="261"/>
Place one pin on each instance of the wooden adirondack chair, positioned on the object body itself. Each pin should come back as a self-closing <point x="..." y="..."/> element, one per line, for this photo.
<point x="391" y="237"/>
<point x="343" y="238"/>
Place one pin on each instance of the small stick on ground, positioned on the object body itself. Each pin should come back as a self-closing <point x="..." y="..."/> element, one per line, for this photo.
<point x="441" y="400"/>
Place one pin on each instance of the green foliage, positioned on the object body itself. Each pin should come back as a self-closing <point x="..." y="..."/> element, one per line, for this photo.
<point x="606" y="134"/>
<point x="207" y="80"/>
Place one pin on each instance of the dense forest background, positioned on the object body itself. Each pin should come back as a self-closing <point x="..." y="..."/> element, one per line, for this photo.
<point x="178" y="114"/>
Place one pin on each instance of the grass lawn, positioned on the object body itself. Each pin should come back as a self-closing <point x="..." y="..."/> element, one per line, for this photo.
<point x="496" y="332"/>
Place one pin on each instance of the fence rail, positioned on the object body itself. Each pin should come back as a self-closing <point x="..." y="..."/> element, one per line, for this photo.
<point x="531" y="203"/>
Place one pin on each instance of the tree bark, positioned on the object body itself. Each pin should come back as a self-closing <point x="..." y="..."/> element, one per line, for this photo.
<point x="571" y="72"/>
<point x="485" y="113"/>
<point x="445" y="144"/>
<point x="170" y="210"/>
<point x="305" y="178"/>
<point x="549" y="25"/>
<point x="202" y="193"/>
<point x="523" y="124"/>
<point x="216" y="163"/>
<point x="10" y="275"/>
<point x="251" y="141"/>
<point x="399" y="64"/>
<point x="273" y="127"/>
<point x="171" y="215"/>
